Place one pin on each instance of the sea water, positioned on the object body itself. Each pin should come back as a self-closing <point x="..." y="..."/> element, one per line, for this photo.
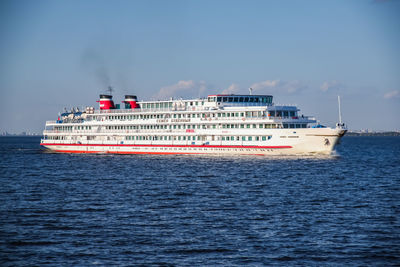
<point x="168" y="210"/>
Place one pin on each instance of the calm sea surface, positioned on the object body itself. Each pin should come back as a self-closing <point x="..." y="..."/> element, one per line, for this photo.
<point x="125" y="210"/>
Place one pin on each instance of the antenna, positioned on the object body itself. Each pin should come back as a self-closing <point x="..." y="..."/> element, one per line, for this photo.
<point x="110" y="90"/>
<point x="340" y="112"/>
<point x="251" y="90"/>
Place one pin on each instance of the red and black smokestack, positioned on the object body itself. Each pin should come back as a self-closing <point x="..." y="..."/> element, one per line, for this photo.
<point x="130" y="102"/>
<point x="106" y="102"/>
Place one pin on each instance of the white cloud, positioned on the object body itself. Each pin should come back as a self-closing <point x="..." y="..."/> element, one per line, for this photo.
<point x="232" y="89"/>
<point x="269" y="86"/>
<point x="190" y="88"/>
<point x="182" y="88"/>
<point x="392" y="94"/>
<point x="260" y="86"/>
<point x="330" y="85"/>
<point x="293" y="86"/>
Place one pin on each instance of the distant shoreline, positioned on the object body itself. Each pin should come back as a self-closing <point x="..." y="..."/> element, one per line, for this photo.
<point x="373" y="134"/>
<point x="20" y="135"/>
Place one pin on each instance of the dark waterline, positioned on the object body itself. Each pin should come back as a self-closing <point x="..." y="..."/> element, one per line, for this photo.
<point x="119" y="210"/>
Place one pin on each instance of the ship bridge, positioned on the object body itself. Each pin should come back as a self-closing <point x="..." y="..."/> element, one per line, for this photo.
<point x="240" y="100"/>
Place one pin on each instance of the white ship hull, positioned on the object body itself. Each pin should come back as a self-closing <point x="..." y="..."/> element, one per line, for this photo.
<point x="282" y="142"/>
<point x="219" y="124"/>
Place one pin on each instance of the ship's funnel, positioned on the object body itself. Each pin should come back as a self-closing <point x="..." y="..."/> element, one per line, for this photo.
<point x="106" y="102"/>
<point x="130" y="102"/>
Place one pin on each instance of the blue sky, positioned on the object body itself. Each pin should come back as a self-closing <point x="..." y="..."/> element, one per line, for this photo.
<point x="57" y="54"/>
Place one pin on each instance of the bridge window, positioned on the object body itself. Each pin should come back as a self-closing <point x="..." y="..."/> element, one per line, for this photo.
<point x="219" y="99"/>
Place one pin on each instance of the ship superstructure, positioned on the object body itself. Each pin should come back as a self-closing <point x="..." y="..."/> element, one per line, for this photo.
<point x="218" y="124"/>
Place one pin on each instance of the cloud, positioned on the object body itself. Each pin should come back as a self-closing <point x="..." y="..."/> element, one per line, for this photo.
<point x="260" y="86"/>
<point x="190" y="88"/>
<point x="331" y="85"/>
<point x="182" y="88"/>
<point x="279" y="86"/>
<point x="232" y="89"/>
<point x="392" y="94"/>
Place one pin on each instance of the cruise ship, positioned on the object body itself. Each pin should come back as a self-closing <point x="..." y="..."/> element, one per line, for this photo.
<point x="218" y="124"/>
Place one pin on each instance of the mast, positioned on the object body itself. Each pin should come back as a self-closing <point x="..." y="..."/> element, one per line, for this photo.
<point x="340" y="112"/>
<point x="110" y="90"/>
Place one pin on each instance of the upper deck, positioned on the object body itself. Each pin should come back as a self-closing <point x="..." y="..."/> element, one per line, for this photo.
<point x="210" y="107"/>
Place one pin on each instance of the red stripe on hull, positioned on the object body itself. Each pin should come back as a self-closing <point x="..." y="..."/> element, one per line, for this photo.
<point x="129" y="153"/>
